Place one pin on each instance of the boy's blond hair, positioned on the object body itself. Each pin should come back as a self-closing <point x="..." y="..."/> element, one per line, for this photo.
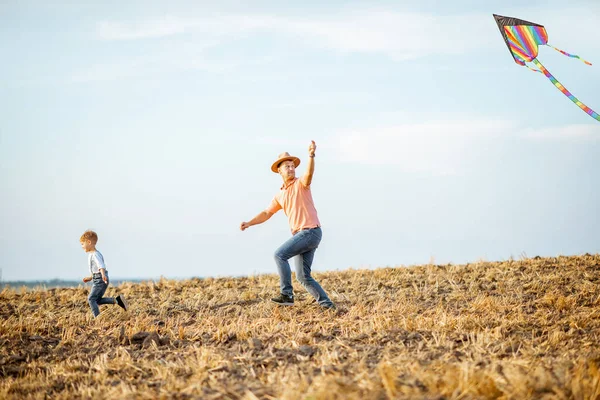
<point x="89" y="235"/>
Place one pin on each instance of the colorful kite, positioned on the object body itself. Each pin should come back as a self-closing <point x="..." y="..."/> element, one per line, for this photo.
<point x="522" y="39"/>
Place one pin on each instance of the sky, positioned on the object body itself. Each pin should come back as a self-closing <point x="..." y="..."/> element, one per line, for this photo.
<point x="155" y="124"/>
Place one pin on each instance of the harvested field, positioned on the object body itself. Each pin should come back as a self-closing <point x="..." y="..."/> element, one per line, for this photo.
<point x="526" y="329"/>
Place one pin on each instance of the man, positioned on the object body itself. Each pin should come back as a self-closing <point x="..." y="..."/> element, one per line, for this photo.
<point x="296" y="201"/>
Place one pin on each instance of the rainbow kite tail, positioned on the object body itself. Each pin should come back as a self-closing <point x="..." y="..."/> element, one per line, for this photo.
<point x="560" y="87"/>
<point x="533" y="69"/>
<point x="569" y="55"/>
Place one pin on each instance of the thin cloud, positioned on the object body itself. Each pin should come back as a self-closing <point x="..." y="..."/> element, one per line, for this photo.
<point x="178" y="57"/>
<point x="441" y="147"/>
<point x="400" y="35"/>
<point x="153" y="28"/>
<point x="578" y="132"/>
<point x="105" y="72"/>
<point x="212" y="27"/>
<point x="437" y="147"/>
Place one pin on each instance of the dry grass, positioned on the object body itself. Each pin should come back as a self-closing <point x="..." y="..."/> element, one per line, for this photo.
<point x="526" y="329"/>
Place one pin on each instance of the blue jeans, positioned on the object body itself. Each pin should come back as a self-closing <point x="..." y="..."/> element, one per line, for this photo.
<point x="302" y="246"/>
<point x="95" y="298"/>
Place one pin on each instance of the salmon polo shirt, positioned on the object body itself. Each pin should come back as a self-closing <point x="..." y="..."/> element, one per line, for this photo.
<point x="297" y="203"/>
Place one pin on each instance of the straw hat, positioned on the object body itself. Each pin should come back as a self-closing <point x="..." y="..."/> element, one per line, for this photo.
<point x="284" y="157"/>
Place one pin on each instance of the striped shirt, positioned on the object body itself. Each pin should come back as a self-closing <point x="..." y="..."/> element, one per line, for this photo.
<point x="96" y="262"/>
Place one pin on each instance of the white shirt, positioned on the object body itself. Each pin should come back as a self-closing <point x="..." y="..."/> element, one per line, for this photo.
<point x="96" y="262"/>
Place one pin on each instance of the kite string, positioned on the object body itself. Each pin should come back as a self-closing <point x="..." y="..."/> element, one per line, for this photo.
<point x="569" y="55"/>
<point x="563" y="89"/>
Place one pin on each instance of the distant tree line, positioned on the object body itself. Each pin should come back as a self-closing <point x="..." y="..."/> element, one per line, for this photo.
<point x="59" y="283"/>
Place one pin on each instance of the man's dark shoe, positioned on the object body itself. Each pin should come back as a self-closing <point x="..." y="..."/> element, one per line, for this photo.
<point x="283" y="300"/>
<point x="121" y="302"/>
<point x="329" y="306"/>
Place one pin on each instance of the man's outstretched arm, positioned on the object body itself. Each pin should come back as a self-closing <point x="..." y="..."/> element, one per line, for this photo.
<point x="259" y="219"/>
<point x="310" y="168"/>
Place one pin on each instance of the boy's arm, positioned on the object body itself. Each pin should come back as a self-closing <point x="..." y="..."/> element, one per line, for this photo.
<point x="103" y="272"/>
<point x="87" y="279"/>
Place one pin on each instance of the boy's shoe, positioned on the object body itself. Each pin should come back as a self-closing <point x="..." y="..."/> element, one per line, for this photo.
<point x="121" y="302"/>
<point x="283" y="300"/>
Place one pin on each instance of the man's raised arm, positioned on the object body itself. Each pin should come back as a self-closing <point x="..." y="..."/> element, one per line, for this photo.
<point x="310" y="168"/>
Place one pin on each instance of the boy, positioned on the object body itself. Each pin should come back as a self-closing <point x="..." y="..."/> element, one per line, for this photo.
<point x="99" y="275"/>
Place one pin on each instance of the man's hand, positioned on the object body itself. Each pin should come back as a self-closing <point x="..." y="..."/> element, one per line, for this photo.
<point x="312" y="148"/>
<point x="244" y="226"/>
<point x="87" y="279"/>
